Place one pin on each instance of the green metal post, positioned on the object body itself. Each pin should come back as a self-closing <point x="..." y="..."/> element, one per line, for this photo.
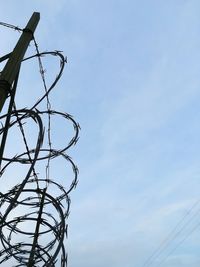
<point x="11" y="68"/>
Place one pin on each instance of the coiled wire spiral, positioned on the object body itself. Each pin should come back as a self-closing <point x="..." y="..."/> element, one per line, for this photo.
<point x="33" y="213"/>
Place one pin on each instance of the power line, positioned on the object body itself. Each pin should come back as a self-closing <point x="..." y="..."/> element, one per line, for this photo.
<point x="179" y="244"/>
<point x="174" y="233"/>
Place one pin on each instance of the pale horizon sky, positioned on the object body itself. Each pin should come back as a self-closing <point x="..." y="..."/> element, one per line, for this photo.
<point x="132" y="82"/>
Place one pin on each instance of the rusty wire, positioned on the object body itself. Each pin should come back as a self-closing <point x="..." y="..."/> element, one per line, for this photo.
<point x="37" y="208"/>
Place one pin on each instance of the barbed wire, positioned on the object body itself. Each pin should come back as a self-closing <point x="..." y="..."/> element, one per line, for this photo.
<point x="41" y="203"/>
<point x="16" y="28"/>
<point x="48" y="104"/>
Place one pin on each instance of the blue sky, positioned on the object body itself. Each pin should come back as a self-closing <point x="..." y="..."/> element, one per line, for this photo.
<point x="132" y="81"/>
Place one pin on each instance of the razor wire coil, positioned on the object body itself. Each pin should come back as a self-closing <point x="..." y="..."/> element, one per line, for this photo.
<point x="34" y="212"/>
